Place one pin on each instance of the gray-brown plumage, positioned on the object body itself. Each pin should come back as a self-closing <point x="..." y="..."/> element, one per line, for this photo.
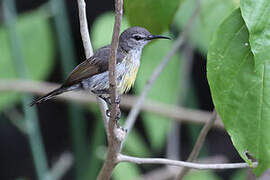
<point x="93" y="75"/>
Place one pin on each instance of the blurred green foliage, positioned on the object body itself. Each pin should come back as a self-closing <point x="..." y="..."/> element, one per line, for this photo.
<point x="126" y="171"/>
<point x="241" y="174"/>
<point x="102" y="29"/>
<point x="211" y="14"/>
<point x="201" y="175"/>
<point x="38" y="50"/>
<point x="165" y="89"/>
<point x="154" y="15"/>
<point x="30" y="119"/>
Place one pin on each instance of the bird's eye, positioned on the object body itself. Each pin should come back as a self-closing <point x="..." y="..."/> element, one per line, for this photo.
<point x="136" y="37"/>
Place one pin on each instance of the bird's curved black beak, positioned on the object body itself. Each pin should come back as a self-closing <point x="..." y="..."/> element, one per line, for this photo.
<point x="150" y="37"/>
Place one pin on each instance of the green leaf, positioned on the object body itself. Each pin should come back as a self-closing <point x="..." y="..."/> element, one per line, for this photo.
<point x="256" y="15"/>
<point x="240" y="94"/>
<point x="165" y="89"/>
<point x="126" y="171"/>
<point x="36" y="36"/>
<point x="211" y="14"/>
<point x="201" y="175"/>
<point x="154" y="15"/>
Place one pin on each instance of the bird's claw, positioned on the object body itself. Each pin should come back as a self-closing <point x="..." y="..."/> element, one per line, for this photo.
<point x="118" y="114"/>
<point x="118" y="126"/>
<point x="118" y="100"/>
<point x="108" y="114"/>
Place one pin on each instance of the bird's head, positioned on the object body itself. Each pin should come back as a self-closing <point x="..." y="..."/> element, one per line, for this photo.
<point x="135" y="38"/>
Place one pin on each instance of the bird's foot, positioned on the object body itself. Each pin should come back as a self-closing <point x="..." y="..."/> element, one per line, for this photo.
<point x="118" y="114"/>
<point x="118" y="126"/>
<point x="108" y="113"/>
<point x="118" y="100"/>
<point x="109" y="102"/>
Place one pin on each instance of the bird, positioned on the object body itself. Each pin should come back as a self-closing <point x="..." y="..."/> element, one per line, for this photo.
<point x="93" y="73"/>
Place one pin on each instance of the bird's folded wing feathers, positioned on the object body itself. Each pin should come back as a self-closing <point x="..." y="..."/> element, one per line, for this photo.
<point x="98" y="63"/>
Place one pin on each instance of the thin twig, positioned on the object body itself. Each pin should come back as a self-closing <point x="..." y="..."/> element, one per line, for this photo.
<point x="169" y="172"/>
<point x="89" y="51"/>
<point x="109" y="163"/>
<point x="198" y="145"/>
<point x="136" y="160"/>
<point x="112" y="61"/>
<point x="103" y="112"/>
<point x="180" y="114"/>
<point x="84" y="29"/>
<point x="116" y="135"/>
<point x="178" y="43"/>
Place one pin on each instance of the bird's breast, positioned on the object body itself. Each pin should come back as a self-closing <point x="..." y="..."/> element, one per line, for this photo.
<point x="129" y="79"/>
<point x="132" y="64"/>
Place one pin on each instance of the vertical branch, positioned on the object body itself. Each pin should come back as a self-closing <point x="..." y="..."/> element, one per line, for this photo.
<point x="84" y="29"/>
<point x="112" y="60"/>
<point x="115" y="135"/>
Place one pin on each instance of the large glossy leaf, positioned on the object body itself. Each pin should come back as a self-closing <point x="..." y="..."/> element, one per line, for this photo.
<point x="36" y="38"/>
<point x="165" y="89"/>
<point x="211" y="14"/>
<point x="155" y="15"/>
<point x="256" y="15"/>
<point x="241" y="95"/>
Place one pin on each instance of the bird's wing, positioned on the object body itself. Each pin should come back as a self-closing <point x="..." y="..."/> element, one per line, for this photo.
<point x="96" y="64"/>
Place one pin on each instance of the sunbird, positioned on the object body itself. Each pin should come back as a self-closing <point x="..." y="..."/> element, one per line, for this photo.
<point x="93" y="73"/>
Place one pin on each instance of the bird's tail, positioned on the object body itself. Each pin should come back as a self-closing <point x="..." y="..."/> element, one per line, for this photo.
<point x="49" y="95"/>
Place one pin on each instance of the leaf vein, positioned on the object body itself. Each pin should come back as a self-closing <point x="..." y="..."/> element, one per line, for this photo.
<point x="261" y="115"/>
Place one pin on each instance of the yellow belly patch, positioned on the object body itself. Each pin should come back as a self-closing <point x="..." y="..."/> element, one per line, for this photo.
<point x="129" y="80"/>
